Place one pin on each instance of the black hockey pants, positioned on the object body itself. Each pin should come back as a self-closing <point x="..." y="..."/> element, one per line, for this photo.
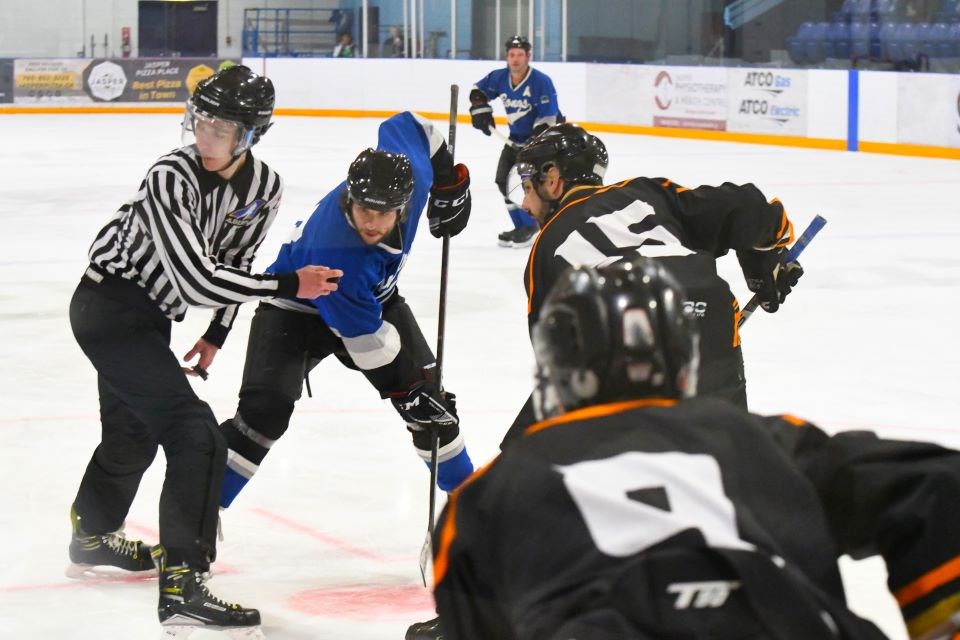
<point x="284" y="346"/>
<point x="145" y="402"/>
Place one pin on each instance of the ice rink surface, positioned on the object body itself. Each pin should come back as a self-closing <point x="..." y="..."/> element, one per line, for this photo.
<point x="325" y="539"/>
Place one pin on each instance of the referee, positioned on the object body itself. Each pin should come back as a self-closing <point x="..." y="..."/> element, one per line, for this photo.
<point x="188" y="238"/>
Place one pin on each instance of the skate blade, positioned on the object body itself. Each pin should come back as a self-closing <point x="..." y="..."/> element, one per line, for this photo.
<point x="106" y="572"/>
<point x="182" y="632"/>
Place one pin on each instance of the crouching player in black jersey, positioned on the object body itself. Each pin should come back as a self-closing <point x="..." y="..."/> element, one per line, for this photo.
<point x="635" y="510"/>
<point x="584" y="223"/>
<point x="188" y="238"/>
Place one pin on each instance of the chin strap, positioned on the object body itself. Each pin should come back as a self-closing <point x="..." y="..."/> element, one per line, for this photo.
<point x="229" y="164"/>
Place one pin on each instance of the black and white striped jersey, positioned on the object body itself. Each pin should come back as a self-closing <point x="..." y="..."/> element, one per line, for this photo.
<point x="189" y="238"/>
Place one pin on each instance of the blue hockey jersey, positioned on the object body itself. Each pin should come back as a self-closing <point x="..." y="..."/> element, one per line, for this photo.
<point x="530" y="103"/>
<point x="370" y="273"/>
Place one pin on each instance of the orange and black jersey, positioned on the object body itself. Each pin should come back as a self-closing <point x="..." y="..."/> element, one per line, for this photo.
<point x="652" y="217"/>
<point x="645" y="491"/>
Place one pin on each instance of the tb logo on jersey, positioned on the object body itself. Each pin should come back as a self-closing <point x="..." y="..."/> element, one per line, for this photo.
<point x="702" y="595"/>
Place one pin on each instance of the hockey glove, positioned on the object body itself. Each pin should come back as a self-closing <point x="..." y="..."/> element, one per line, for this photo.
<point x="449" y="206"/>
<point x="423" y="404"/>
<point x="481" y="113"/>
<point x="768" y="277"/>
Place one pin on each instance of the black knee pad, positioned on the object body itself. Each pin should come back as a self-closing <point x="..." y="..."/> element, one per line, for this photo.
<point x="266" y="411"/>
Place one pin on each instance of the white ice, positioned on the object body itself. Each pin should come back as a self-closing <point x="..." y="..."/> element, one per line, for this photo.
<point x="326" y="537"/>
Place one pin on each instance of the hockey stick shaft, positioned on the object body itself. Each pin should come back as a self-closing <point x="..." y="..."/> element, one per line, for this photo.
<point x="794" y="252"/>
<point x="441" y="330"/>
<point x="506" y="139"/>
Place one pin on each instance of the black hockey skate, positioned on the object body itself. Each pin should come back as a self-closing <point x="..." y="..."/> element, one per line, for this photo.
<point x="518" y="238"/>
<point x="90" y="551"/>
<point x="429" y="630"/>
<point x="187" y="605"/>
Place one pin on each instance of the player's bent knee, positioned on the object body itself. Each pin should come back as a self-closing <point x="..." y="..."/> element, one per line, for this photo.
<point x="265" y="412"/>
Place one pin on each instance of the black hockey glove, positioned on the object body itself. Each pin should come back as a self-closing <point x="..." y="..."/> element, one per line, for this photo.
<point x="423" y="404"/>
<point x="481" y="112"/>
<point x="768" y="277"/>
<point x="449" y="206"/>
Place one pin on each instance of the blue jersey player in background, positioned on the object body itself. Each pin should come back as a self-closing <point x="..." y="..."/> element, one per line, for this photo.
<point x="366" y="227"/>
<point x="531" y="104"/>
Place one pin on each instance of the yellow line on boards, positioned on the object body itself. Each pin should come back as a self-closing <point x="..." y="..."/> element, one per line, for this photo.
<point x="916" y="150"/>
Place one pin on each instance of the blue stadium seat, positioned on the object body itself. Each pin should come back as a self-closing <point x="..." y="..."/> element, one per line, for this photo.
<point x="938" y="43"/>
<point x="954" y="40"/>
<point x="797" y="44"/>
<point x="948" y="11"/>
<point x="911" y="36"/>
<point x="889" y="47"/>
<point x="860" y="39"/>
<point x="837" y="43"/>
<point x="853" y="10"/>
<point x="815" y="45"/>
<point x="886" y="10"/>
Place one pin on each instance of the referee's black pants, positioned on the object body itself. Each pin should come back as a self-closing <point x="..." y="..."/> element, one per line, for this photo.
<point x="145" y="402"/>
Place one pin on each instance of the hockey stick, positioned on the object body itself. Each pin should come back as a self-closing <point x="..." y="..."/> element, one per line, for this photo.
<point x="506" y="139"/>
<point x="427" y="547"/>
<point x="801" y="243"/>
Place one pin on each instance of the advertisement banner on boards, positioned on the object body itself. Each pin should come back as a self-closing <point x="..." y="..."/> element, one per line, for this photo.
<point x="928" y="109"/>
<point x="767" y="101"/>
<point x="148" y="79"/>
<point x="6" y="80"/>
<point x="690" y="98"/>
<point x="116" y="80"/>
<point x="49" y="80"/>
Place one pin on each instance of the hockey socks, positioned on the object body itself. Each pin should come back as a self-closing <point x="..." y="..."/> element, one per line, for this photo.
<point x="451" y="473"/>
<point x="233" y="483"/>
<point x="521" y="218"/>
<point x="453" y="461"/>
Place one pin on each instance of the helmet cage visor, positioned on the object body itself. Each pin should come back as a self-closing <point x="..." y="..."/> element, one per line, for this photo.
<point x="237" y="136"/>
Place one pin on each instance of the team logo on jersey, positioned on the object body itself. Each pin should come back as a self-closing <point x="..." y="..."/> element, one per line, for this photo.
<point x="702" y="595"/>
<point x="526" y="93"/>
<point x="245" y="217"/>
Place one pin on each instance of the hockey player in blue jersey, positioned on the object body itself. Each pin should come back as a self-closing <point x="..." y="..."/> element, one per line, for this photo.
<point x="365" y="227"/>
<point x="531" y="104"/>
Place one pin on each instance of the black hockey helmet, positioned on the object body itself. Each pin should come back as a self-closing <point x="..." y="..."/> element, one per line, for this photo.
<point x="380" y="180"/>
<point x="617" y="332"/>
<point x="580" y="157"/>
<point x="239" y="95"/>
<point x="518" y="42"/>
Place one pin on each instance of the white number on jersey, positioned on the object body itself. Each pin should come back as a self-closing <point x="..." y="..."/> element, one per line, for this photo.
<point x="616" y="226"/>
<point x="621" y="526"/>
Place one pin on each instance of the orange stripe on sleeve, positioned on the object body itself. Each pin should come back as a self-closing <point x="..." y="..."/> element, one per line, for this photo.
<point x="794" y="420"/>
<point x="737" y="314"/>
<point x="926" y="583"/>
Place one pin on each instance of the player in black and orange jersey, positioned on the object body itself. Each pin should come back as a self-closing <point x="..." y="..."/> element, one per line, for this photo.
<point x="637" y="512"/>
<point x="584" y="223"/>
